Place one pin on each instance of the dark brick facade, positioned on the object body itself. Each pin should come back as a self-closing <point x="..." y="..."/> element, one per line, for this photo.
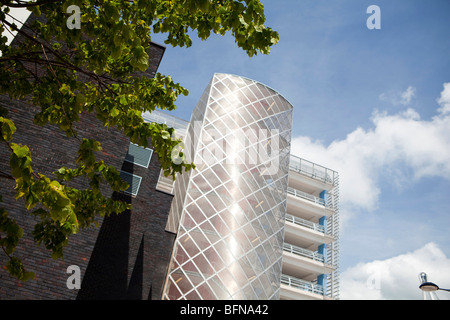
<point x="127" y="256"/>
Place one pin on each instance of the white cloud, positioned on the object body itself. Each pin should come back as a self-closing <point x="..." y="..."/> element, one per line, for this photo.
<point x="407" y="96"/>
<point x="399" y="98"/>
<point x="444" y="100"/>
<point x="397" y="278"/>
<point x="398" y="147"/>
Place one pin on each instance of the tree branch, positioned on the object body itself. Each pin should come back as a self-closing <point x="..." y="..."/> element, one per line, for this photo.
<point x="64" y="62"/>
<point x="6" y="175"/>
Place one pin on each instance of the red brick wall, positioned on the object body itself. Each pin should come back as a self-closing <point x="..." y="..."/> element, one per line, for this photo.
<point x="126" y="257"/>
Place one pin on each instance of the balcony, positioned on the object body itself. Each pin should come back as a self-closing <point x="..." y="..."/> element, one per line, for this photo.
<point x="313" y="170"/>
<point x="307" y="206"/>
<point x="304" y="252"/>
<point x="296" y="289"/>
<point x="307" y="196"/>
<point x="302" y="263"/>
<point x="305" y="223"/>
<point x="311" y="177"/>
<point x="304" y="233"/>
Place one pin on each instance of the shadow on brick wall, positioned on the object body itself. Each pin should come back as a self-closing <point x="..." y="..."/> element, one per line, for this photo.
<point x="106" y="276"/>
<point x="107" y="271"/>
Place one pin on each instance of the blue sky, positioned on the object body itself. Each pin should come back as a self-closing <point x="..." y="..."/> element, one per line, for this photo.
<point x="371" y="104"/>
<point x="366" y="105"/>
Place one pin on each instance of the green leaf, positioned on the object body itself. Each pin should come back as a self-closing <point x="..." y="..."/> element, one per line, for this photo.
<point x="114" y="112"/>
<point x="31" y="200"/>
<point x="81" y="99"/>
<point x="165" y="135"/>
<point x="7" y="128"/>
<point x="17" y="269"/>
<point x="65" y="89"/>
<point x="19" y="150"/>
<point x="123" y="100"/>
<point x="117" y="51"/>
<point x="140" y="58"/>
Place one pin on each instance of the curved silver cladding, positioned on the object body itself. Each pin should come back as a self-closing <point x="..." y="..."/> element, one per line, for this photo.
<point x="229" y="213"/>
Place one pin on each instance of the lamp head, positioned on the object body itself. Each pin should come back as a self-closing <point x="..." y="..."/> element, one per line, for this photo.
<point x="428" y="287"/>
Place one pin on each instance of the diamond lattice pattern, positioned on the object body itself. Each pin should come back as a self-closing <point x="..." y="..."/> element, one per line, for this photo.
<point x="230" y="235"/>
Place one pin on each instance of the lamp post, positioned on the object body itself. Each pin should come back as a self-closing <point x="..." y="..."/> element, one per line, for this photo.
<point x="429" y="288"/>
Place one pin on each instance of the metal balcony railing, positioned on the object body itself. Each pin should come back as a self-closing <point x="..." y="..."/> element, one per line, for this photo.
<point x="307" y="196"/>
<point x="305" y="223"/>
<point x="302" y="284"/>
<point x="313" y="170"/>
<point x="303" y="252"/>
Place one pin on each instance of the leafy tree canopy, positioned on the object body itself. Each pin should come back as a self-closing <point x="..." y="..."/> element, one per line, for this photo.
<point x="110" y="50"/>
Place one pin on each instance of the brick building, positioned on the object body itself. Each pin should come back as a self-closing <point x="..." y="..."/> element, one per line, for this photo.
<point x="126" y="257"/>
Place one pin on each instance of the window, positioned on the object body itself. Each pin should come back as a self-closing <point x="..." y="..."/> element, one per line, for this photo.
<point x="138" y="155"/>
<point x="133" y="180"/>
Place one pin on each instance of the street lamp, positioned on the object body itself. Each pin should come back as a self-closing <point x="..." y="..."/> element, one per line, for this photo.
<point x="428" y="288"/>
<point x="431" y="287"/>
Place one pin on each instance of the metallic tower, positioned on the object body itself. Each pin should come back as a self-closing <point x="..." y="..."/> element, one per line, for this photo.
<point x="229" y="213"/>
